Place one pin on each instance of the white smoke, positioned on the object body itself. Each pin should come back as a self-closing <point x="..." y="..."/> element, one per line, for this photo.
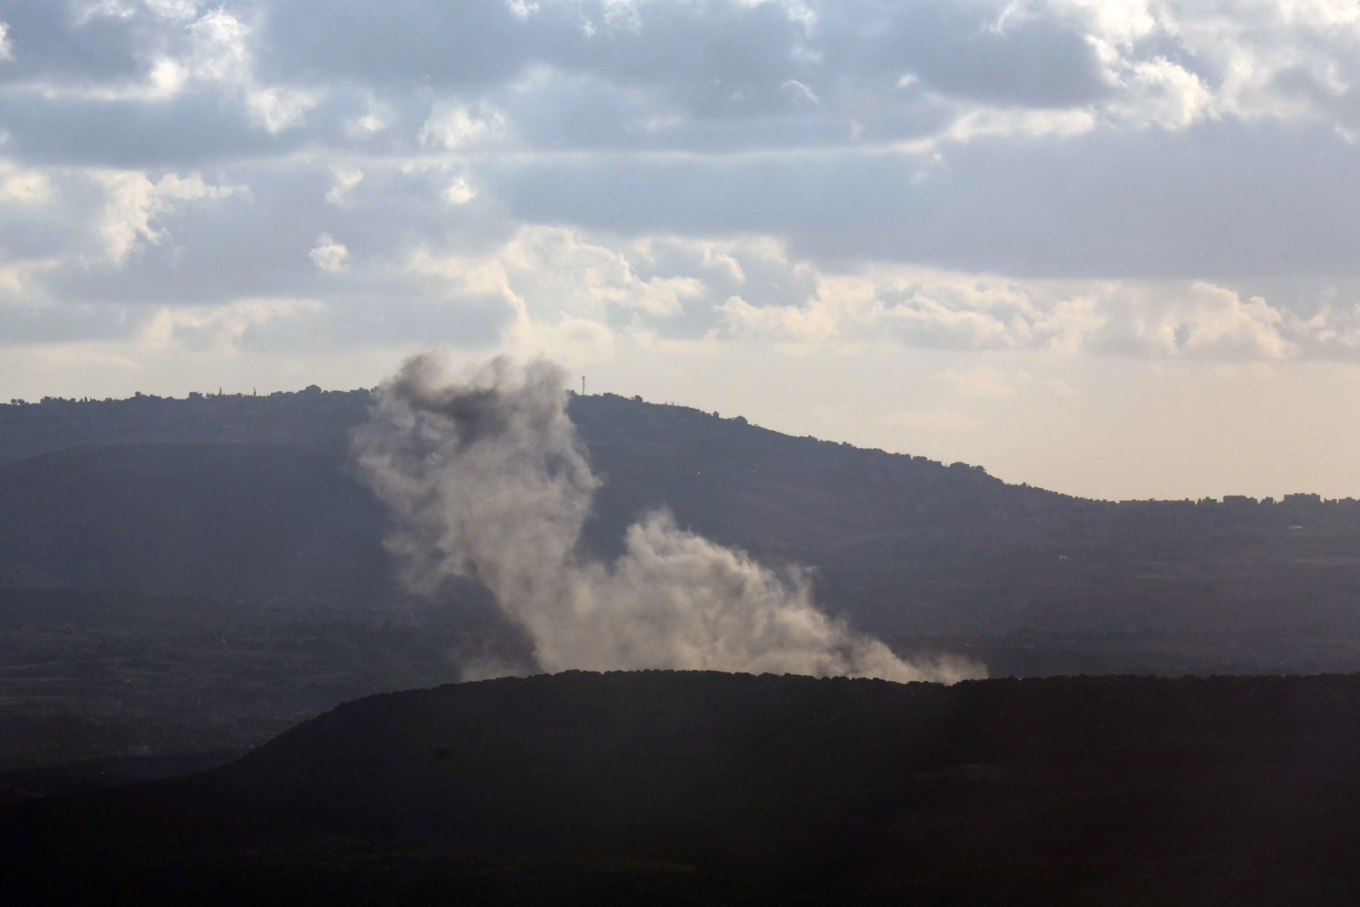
<point x="486" y="479"/>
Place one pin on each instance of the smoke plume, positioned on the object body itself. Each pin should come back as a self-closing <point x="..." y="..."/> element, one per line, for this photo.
<point x="486" y="479"/>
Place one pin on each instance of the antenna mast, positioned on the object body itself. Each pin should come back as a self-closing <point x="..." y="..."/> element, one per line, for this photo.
<point x="583" y="385"/>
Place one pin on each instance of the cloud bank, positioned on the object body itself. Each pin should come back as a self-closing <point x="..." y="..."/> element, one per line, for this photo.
<point x="157" y="153"/>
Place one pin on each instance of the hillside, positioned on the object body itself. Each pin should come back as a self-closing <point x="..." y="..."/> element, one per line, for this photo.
<point x="719" y="788"/>
<point x="182" y="576"/>
<point x="931" y="555"/>
<point x="229" y="520"/>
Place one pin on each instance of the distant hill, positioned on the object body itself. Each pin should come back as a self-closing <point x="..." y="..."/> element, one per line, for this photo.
<point x="249" y="497"/>
<point x="232" y="520"/>
<point x="665" y="787"/>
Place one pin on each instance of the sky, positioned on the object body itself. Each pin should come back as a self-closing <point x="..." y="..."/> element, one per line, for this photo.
<point x="1108" y="248"/>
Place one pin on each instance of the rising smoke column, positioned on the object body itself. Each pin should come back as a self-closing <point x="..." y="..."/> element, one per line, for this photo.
<point x="487" y="479"/>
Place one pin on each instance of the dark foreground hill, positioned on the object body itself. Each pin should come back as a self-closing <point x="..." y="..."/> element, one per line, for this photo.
<point x="688" y="788"/>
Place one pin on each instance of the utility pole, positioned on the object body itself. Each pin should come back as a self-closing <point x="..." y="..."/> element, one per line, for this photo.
<point x="583" y="385"/>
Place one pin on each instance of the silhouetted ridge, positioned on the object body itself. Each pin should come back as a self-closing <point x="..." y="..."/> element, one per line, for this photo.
<point x="848" y="790"/>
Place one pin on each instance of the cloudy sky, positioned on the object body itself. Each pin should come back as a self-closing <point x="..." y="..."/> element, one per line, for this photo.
<point x="1110" y="247"/>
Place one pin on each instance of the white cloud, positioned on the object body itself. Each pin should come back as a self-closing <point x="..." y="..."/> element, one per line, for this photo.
<point x="280" y="107"/>
<point x="521" y="9"/>
<point x="553" y="272"/>
<point x="1180" y="72"/>
<point x="972" y="122"/>
<point x="187" y="52"/>
<point x="103" y="9"/>
<point x="916" y="306"/>
<point x="1252" y="50"/>
<point x="464" y="275"/>
<point x="452" y="126"/>
<point x="173" y="9"/>
<point x="219" y="328"/>
<point x="1153" y="64"/>
<point x="579" y="340"/>
<point x="6" y="45"/>
<point x="218" y="49"/>
<point x="560" y="267"/>
<point x="23" y="185"/>
<point x="750" y="290"/>
<point x="947" y="310"/>
<point x="221" y="53"/>
<point x="133" y="203"/>
<point x="329" y="255"/>
<point x="344" y="179"/>
<point x="1202" y="321"/>
<point x="459" y="192"/>
<point x="622" y="15"/>
<point x="18" y="280"/>
<point x="1158" y="93"/>
<point x="798" y="91"/>
<point x="1129" y="65"/>
<point x="376" y="117"/>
